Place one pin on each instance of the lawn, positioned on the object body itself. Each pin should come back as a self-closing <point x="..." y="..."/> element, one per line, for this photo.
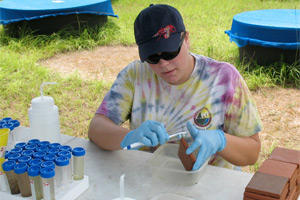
<point x="77" y="98"/>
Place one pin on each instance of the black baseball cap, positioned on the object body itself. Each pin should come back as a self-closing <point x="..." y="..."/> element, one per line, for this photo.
<point x="158" y="29"/>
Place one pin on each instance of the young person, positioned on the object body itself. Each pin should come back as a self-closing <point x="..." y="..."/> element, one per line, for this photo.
<point x="171" y="89"/>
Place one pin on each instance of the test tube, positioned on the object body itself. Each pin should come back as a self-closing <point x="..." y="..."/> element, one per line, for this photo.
<point x="48" y="164"/>
<point x="39" y="154"/>
<point x="14" y="156"/>
<point x="23" y="179"/>
<point x="8" y="167"/>
<point x="49" y="157"/>
<point x="33" y="141"/>
<point x="24" y="159"/>
<point x="78" y="163"/>
<point x="65" y="148"/>
<point x="54" y="146"/>
<point x="20" y="145"/>
<point x="35" y="182"/>
<point x="70" y="167"/>
<point x="27" y="152"/>
<point x="47" y="175"/>
<point x="44" y="143"/>
<point x="62" y="168"/>
<point x="35" y="162"/>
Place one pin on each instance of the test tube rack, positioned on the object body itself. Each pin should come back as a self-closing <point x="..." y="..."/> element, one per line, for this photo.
<point x="69" y="192"/>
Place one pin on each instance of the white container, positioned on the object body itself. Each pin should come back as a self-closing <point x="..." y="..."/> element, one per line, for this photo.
<point x="44" y="118"/>
<point x="166" y="166"/>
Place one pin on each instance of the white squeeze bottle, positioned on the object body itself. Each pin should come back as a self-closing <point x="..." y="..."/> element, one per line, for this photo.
<point x="44" y="117"/>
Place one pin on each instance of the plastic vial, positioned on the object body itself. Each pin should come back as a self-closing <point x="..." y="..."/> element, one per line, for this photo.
<point x="48" y="164"/>
<point x="78" y="163"/>
<point x="8" y="167"/>
<point x="42" y="149"/>
<point x="20" y="145"/>
<point x="27" y="153"/>
<point x="47" y="175"/>
<point x="54" y="146"/>
<point x="65" y="148"/>
<point x="34" y="141"/>
<point x="35" y="182"/>
<point x="35" y="162"/>
<point x="53" y="151"/>
<point x="30" y="147"/>
<point x="39" y="154"/>
<point x="70" y="166"/>
<point x="23" y="179"/>
<point x="44" y="143"/>
<point x="62" y="171"/>
<point x="49" y="157"/>
<point x="14" y="156"/>
<point x="16" y="150"/>
<point x="24" y="159"/>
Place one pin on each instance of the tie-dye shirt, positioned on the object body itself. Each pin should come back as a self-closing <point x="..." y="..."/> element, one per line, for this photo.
<point x="214" y="97"/>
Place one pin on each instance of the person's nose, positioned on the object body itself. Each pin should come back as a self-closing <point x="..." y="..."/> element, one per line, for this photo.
<point x="163" y="62"/>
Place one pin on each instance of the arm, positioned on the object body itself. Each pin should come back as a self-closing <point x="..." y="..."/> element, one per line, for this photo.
<point x="241" y="151"/>
<point x="105" y="133"/>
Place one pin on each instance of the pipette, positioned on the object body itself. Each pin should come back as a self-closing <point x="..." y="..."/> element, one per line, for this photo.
<point x="139" y="144"/>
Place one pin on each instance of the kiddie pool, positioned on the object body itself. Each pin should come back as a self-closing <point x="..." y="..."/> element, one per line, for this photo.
<point x="267" y="36"/>
<point x="47" y="16"/>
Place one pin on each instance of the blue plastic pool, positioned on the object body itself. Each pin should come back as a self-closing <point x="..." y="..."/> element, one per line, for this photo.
<point x="267" y="34"/>
<point x="18" y="10"/>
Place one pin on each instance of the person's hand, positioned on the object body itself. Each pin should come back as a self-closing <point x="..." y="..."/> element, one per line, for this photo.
<point x="209" y="141"/>
<point x="150" y="133"/>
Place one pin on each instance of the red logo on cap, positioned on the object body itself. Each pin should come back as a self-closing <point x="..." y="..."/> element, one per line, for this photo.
<point x="165" y="32"/>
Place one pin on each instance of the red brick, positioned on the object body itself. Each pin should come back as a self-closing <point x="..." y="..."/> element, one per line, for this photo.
<point x="268" y="185"/>
<point x="286" y="155"/>
<point x="279" y="168"/>
<point x="258" y="196"/>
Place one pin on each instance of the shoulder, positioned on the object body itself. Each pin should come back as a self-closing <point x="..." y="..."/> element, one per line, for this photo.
<point x="134" y="69"/>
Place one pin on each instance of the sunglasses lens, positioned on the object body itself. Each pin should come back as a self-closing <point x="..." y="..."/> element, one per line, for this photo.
<point x="153" y="59"/>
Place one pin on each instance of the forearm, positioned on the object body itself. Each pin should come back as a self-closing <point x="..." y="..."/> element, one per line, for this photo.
<point x="105" y="133"/>
<point x="241" y="151"/>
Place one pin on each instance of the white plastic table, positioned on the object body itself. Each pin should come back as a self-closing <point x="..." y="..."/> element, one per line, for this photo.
<point x="104" y="169"/>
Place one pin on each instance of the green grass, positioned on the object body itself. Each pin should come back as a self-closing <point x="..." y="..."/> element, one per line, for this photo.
<point x="77" y="99"/>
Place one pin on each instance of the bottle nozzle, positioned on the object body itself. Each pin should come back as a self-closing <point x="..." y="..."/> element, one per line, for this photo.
<point x="43" y="84"/>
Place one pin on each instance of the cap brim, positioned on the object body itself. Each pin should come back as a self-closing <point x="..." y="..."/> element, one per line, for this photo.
<point x="157" y="45"/>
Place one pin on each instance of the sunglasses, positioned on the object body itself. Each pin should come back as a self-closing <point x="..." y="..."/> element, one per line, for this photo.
<point x="154" y="59"/>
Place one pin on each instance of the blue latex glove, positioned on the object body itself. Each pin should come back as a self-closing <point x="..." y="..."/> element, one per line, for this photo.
<point x="150" y="133"/>
<point x="209" y="141"/>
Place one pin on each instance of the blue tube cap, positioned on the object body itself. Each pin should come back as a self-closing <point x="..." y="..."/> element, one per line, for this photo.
<point x="47" y="172"/>
<point x="44" y="143"/>
<point x="48" y="164"/>
<point x="33" y="141"/>
<point x="27" y="152"/>
<point x="65" y="154"/>
<point x="20" y="145"/>
<point x="24" y="159"/>
<point x="33" y="170"/>
<point x="16" y="150"/>
<point x="14" y="156"/>
<point x="42" y="148"/>
<point x="35" y="162"/>
<point x="78" y="151"/>
<point x="30" y="146"/>
<point x="62" y="161"/>
<point x="6" y="154"/>
<point x="49" y="157"/>
<point x="20" y="168"/>
<point x="65" y="148"/>
<point x="54" y="145"/>
<point x="53" y="151"/>
<point x="8" y="165"/>
<point x="39" y="154"/>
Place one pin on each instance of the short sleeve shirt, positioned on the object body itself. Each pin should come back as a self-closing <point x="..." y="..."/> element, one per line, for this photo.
<point x="214" y="97"/>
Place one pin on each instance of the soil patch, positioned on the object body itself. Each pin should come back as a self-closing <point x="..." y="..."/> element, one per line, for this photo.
<point x="279" y="108"/>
